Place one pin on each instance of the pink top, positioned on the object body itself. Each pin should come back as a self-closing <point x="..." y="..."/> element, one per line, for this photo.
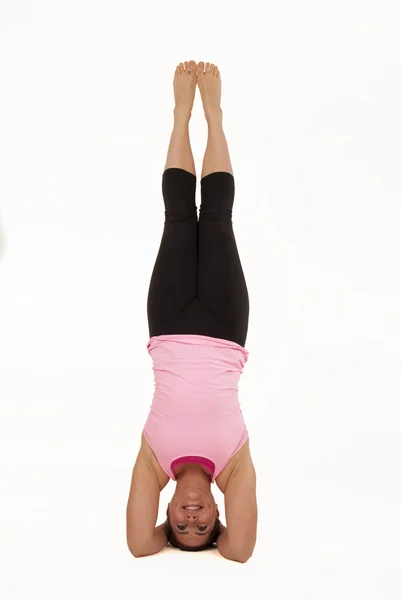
<point x="195" y="415"/>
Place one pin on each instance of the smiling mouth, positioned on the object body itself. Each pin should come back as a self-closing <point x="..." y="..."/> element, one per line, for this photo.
<point x="193" y="507"/>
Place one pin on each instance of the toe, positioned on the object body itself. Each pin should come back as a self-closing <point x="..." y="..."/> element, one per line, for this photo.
<point x="181" y="67"/>
<point x="186" y="65"/>
<point x="192" y="66"/>
<point x="208" y="67"/>
<point x="200" y="68"/>
<point x="212" y="68"/>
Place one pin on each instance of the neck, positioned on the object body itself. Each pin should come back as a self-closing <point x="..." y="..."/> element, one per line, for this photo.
<point x="192" y="474"/>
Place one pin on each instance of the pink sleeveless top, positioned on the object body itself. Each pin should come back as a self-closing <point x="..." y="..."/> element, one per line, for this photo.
<point x="195" y="415"/>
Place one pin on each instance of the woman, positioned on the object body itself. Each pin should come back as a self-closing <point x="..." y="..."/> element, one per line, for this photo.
<point x="198" y="309"/>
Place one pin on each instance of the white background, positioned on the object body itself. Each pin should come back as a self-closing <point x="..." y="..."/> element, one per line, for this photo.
<point x="311" y="99"/>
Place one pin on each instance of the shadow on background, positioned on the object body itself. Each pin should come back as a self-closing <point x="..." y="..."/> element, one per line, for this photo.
<point x="2" y="239"/>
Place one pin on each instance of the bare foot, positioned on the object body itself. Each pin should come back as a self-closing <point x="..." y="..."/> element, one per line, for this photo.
<point x="184" y="88"/>
<point x="209" y="82"/>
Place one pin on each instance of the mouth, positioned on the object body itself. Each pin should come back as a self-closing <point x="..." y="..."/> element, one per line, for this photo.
<point x="192" y="507"/>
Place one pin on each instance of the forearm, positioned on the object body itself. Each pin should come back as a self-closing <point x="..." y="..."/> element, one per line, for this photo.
<point x="157" y="543"/>
<point x="226" y="550"/>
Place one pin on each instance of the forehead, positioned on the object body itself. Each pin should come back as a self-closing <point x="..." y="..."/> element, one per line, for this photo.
<point x="191" y="540"/>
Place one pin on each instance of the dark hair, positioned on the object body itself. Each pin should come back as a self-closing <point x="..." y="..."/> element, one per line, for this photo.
<point x="172" y="539"/>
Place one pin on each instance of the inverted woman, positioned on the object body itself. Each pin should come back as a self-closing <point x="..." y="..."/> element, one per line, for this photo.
<point x="198" y="310"/>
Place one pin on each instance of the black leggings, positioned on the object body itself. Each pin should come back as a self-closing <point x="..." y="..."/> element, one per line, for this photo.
<point x="197" y="284"/>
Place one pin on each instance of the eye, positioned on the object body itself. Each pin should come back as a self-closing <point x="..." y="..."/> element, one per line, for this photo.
<point x="200" y="527"/>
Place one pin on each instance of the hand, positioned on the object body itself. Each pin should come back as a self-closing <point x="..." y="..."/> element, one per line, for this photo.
<point x="222" y="528"/>
<point x="165" y="524"/>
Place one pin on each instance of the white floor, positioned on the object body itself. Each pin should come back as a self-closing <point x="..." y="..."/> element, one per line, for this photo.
<point x="311" y="111"/>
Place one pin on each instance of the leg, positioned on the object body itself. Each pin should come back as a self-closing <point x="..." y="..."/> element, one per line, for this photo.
<point x="179" y="151"/>
<point x="217" y="157"/>
<point x="221" y="281"/>
<point x="173" y="281"/>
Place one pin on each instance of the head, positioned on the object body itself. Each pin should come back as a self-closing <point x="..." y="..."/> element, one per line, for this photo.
<point x="207" y="541"/>
<point x="197" y="528"/>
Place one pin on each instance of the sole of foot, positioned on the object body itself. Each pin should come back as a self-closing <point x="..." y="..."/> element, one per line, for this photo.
<point x="184" y="88"/>
<point x="209" y="82"/>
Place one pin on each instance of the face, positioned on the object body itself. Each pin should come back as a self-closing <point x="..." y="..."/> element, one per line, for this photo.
<point x="192" y="527"/>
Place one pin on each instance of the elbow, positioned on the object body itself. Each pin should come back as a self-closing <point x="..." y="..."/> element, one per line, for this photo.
<point x="133" y="549"/>
<point x="243" y="556"/>
<point x="244" y="559"/>
<point x="240" y="552"/>
<point x="134" y="552"/>
<point x="236" y="555"/>
<point x="137" y="554"/>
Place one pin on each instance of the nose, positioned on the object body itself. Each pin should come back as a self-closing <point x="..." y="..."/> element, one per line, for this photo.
<point x="192" y="516"/>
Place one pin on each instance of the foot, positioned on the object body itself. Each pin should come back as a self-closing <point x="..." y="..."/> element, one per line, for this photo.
<point x="184" y="88"/>
<point x="209" y="82"/>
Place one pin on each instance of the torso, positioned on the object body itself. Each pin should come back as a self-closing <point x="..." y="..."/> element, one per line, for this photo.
<point x="221" y="481"/>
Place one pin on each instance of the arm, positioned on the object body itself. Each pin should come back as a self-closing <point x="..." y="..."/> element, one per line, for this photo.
<point x="157" y="542"/>
<point x="238" y="539"/>
<point x="143" y="537"/>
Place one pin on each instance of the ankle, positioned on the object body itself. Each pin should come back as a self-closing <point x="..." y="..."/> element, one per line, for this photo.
<point x="182" y="113"/>
<point x="214" y="116"/>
